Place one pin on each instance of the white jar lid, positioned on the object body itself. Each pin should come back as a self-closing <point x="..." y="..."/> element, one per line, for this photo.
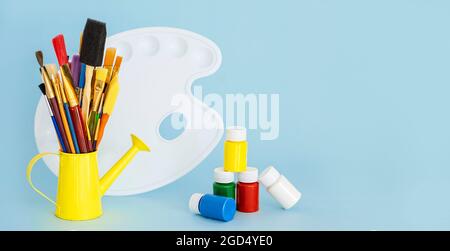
<point x="269" y="176"/>
<point x="236" y="134"/>
<point x="194" y="201"/>
<point x="248" y="176"/>
<point x="220" y="176"/>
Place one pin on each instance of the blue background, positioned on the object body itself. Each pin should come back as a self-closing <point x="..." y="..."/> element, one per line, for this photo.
<point x="364" y="97"/>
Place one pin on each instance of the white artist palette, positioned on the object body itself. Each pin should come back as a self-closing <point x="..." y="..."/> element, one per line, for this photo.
<point x="158" y="64"/>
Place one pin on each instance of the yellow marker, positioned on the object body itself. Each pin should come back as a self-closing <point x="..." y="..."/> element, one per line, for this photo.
<point x="235" y="150"/>
<point x="79" y="188"/>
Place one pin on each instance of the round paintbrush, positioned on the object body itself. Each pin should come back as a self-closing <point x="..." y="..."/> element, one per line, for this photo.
<point x="58" y="133"/>
<point x="40" y="58"/>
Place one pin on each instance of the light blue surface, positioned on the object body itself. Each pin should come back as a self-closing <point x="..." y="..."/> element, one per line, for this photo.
<point x="364" y="96"/>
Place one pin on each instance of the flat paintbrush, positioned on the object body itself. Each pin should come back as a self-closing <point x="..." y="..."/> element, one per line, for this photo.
<point x="110" y="99"/>
<point x="81" y="76"/>
<point x="52" y="101"/>
<point x="108" y="107"/>
<point x="108" y="63"/>
<point x="97" y="123"/>
<point x="58" y="133"/>
<point x="116" y="67"/>
<point x="69" y="118"/>
<point x="99" y="86"/>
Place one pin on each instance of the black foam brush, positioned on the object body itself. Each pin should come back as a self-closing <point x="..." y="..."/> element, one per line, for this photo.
<point x="93" y="43"/>
<point x="91" y="56"/>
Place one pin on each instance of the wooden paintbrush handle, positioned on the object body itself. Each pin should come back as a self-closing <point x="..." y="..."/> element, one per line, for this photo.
<point x="86" y="99"/>
<point x="86" y="132"/>
<point x="78" y="126"/>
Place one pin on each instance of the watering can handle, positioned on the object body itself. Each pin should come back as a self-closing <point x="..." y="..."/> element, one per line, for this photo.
<point x="30" y="168"/>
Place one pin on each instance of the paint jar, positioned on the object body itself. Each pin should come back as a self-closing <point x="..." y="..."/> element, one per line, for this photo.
<point x="235" y="150"/>
<point x="279" y="187"/>
<point x="224" y="183"/>
<point x="247" y="196"/>
<point x="213" y="206"/>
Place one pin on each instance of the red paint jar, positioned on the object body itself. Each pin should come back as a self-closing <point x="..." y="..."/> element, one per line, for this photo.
<point x="247" y="195"/>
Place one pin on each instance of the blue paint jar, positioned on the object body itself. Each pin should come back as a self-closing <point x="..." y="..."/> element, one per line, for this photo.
<point x="213" y="206"/>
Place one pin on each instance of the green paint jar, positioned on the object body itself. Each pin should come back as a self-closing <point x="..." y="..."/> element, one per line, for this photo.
<point x="224" y="183"/>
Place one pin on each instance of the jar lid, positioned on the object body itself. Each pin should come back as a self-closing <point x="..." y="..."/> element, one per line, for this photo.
<point x="248" y="176"/>
<point x="220" y="176"/>
<point x="236" y="134"/>
<point x="269" y="176"/>
<point x="194" y="201"/>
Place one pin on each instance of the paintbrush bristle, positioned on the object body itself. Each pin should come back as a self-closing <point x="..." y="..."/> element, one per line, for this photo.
<point x="52" y="70"/>
<point x="100" y="74"/>
<point x="60" y="49"/>
<point x="118" y="63"/>
<point x="93" y="43"/>
<point x="40" y="58"/>
<point x="109" y="56"/>
<point x="42" y="87"/>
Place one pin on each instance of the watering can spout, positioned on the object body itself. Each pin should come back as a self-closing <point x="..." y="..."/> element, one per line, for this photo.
<point x="109" y="178"/>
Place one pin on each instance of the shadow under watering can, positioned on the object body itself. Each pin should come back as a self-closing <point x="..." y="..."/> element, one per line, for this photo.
<point x="79" y="188"/>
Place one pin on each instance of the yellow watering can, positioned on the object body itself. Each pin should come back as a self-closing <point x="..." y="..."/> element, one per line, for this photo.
<point x="79" y="188"/>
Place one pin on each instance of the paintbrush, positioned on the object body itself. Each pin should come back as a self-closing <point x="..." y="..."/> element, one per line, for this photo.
<point x="52" y="100"/>
<point x="110" y="98"/>
<point x="69" y="117"/>
<point x="116" y="68"/>
<point x="108" y="107"/>
<point x="75" y="111"/>
<point x="108" y="63"/>
<point x="97" y="123"/>
<point x="91" y="55"/>
<point x="99" y="85"/>
<point x="81" y="84"/>
<point x="58" y="133"/>
<point x="81" y="76"/>
<point x="54" y="77"/>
